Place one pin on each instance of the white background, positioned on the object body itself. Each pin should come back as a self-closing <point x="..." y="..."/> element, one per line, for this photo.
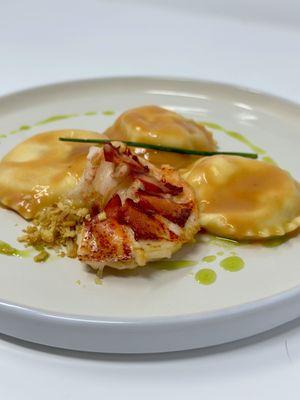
<point x="251" y="43"/>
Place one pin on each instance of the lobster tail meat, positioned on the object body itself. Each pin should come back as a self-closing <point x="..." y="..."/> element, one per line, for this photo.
<point x="146" y="209"/>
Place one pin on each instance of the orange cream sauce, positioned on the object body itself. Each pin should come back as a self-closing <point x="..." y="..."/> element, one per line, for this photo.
<point x="156" y="125"/>
<point x="249" y="196"/>
<point x="41" y="170"/>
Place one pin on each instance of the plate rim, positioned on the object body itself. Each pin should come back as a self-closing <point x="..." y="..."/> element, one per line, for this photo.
<point x="231" y="311"/>
<point x="257" y="93"/>
<point x="238" y="311"/>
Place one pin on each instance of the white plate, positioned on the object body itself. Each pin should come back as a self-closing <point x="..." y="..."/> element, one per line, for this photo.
<point x="59" y="304"/>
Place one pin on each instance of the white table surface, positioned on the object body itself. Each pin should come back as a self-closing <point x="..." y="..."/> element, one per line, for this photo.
<point x="251" y="43"/>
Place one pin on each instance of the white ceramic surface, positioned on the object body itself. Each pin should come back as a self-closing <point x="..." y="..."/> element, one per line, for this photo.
<point x="155" y="310"/>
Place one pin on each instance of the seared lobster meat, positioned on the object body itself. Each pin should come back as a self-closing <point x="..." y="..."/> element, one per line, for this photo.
<point x="148" y="214"/>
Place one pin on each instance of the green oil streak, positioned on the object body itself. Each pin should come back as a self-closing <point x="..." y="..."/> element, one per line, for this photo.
<point x="22" y="128"/>
<point x="232" y="264"/>
<point x="7" y="250"/>
<point x="206" y="276"/>
<point x="241" y="138"/>
<point x="209" y="259"/>
<point x="275" y="242"/>
<point x="223" y="242"/>
<point x="170" y="265"/>
<point x="235" y="135"/>
<point x="269" y="160"/>
<point x="212" y="125"/>
<point x="90" y="113"/>
<point x="108" y="112"/>
<point x="55" y="118"/>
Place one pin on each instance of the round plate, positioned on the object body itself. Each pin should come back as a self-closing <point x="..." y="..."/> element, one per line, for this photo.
<point x="154" y="309"/>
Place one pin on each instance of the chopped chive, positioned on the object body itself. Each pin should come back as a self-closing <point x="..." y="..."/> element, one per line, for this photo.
<point x="160" y="148"/>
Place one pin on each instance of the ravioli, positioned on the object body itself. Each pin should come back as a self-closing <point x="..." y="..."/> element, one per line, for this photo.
<point x="156" y="125"/>
<point x="241" y="198"/>
<point x="41" y="170"/>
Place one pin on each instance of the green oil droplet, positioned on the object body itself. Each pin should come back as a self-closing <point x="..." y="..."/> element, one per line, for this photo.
<point x="209" y="259"/>
<point x="232" y="264"/>
<point x="2" y="135"/>
<point x="171" y="265"/>
<point x="275" y="242"/>
<point x="55" y="118"/>
<point x="24" y="128"/>
<point x="269" y="160"/>
<point x="108" y="112"/>
<point x="7" y="250"/>
<point x="220" y="253"/>
<point x="206" y="276"/>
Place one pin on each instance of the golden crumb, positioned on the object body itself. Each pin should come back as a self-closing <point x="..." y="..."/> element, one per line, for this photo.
<point x="140" y="257"/>
<point x="102" y="216"/>
<point x="98" y="281"/>
<point x="56" y="227"/>
<point x="42" y="256"/>
<point x="71" y="248"/>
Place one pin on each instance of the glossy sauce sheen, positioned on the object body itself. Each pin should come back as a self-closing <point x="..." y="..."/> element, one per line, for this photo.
<point x="41" y="170"/>
<point x="243" y="198"/>
<point x="156" y="125"/>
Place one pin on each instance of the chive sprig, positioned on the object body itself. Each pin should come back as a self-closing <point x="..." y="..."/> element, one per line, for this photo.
<point x="168" y="149"/>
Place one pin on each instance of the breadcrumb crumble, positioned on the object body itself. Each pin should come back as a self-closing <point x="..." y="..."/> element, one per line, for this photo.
<point x="55" y="227"/>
